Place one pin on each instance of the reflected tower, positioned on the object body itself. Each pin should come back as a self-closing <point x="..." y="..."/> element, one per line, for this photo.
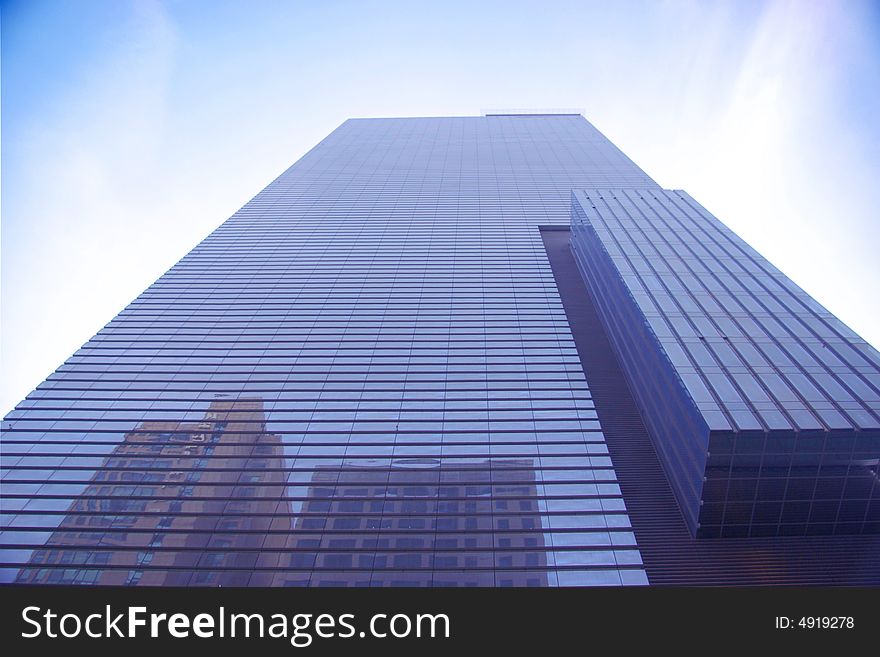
<point x="175" y="504"/>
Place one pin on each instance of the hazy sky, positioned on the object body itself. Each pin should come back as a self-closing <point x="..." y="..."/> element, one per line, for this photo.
<point x="130" y="129"/>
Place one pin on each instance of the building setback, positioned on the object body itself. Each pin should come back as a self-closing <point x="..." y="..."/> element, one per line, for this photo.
<point x="455" y="351"/>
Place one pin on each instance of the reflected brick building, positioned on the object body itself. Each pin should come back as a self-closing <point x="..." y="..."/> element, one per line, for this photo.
<point x="176" y="504"/>
<point x="418" y="523"/>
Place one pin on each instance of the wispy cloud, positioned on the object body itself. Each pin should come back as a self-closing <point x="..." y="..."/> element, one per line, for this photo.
<point x="80" y="217"/>
<point x="780" y="163"/>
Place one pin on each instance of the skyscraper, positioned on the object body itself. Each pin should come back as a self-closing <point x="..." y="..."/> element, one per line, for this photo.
<point x="483" y="351"/>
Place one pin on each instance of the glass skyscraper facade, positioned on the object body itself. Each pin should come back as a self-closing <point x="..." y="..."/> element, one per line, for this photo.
<point x="417" y="359"/>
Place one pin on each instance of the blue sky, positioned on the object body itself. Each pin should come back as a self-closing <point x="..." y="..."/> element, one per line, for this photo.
<point x="130" y="129"/>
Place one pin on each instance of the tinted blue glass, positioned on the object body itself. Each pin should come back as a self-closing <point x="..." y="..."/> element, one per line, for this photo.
<point x="365" y="377"/>
<point x="764" y="407"/>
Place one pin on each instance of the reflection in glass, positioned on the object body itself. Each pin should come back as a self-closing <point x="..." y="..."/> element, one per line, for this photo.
<point x="418" y="524"/>
<point x="171" y="498"/>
